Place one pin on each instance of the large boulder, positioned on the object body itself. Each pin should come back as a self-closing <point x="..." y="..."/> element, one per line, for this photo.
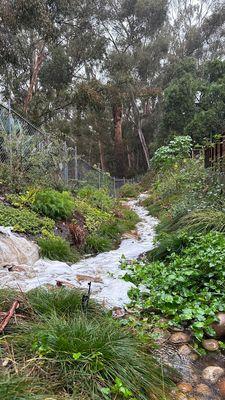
<point x="16" y="250"/>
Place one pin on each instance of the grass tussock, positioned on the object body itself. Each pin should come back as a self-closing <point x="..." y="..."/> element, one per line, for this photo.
<point x="202" y="221"/>
<point x="75" y="354"/>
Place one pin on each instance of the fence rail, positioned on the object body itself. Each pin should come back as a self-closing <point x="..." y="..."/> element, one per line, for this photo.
<point x="29" y="155"/>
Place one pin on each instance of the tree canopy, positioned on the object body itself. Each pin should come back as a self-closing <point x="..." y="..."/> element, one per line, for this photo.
<point x="118" y="77"/>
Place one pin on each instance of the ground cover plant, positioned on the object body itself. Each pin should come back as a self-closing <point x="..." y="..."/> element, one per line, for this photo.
<point x="90" y="221"/>
<point x="183" y="275"/>
<point x="24" y="221"/>
<point x="71" y="353"/>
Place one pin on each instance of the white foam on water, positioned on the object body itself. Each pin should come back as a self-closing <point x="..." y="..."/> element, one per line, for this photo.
<point x="103" y="270"/>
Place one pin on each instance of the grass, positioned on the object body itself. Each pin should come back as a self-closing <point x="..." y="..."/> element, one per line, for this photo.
<point x="202" y="221"/>
<point x="57" y="248"/>
<point x="167" y="244"/>
<point x="74" y="354"/>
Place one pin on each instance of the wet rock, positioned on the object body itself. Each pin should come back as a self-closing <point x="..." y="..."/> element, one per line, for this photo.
<point x="161" y="335"/>
<point x="16" y="250"/>
<point x="194" y="356"/>
<point x="185" y="387"/>
<point x="210" y="344"/>
<point x="118" y="312"/>
<point x="221" y="388"/>
<point x="212" y="374"/>
<point x="185" y="350"/>
<point x="87" y="278"/>
<point x="219" y="327"/>
<point x="179" y="337"/>
<point x="203" y="389"/>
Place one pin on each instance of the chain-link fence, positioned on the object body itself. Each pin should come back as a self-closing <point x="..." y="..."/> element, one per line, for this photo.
<point x="30" y="156"/>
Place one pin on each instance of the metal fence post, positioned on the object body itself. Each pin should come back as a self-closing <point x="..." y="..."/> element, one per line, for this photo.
<point x="114" y="186"/>
<point x="75" y="164"/>
<point x="10" y="140"/>
<point x="66" y="175"/>
<point x="99" y="179"/>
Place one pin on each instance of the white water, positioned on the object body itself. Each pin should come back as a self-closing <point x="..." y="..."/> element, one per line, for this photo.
<point x="103" y="270"/>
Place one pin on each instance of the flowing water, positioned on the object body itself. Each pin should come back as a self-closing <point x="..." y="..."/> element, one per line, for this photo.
<point x="102" y="270"/>
<point x="20" y="268"/>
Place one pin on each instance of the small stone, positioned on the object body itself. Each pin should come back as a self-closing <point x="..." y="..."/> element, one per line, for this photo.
<point x="194" y="356"/>
<point x="185" y="387"/>
<point x="88" y="278"/>
<point x="161" y="335"/>
<point x="221" y="387"/>
<point x="210" y="344"/>
<point x="118" y="312"/>
<point x="184" y="350"/>
<point x="203" y="389"/>
<point x="179" y="337"/>
<point x="219" y="327"/>
<point x="212" y="374"/>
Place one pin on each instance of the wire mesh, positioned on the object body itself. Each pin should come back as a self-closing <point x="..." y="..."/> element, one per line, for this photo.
<point x="29" y="157"/>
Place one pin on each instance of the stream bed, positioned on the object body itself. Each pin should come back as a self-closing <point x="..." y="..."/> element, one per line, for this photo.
<point x="21" y="268"/>
<point x="103" y="270"/>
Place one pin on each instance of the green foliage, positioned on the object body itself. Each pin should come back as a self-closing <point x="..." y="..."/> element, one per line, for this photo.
<point x="201" y="221"/>
<point x="61" y="302"/>
<point x="88" y="354"/>
<point x="98" y="198"/>
<point x="97" y="244"/>
<point x="188" y="285"/>
<point x="82" y="355"/>
<point x="177" y="150"/>
<point x="94" y="217"/>
<point x="13" y="387"/>
<point x="24" y="221"/>
<point x="57" y="248"/>
<point x="129" y="190"/>
<point x="53" y="204"/>
<point x="167" y="244"/>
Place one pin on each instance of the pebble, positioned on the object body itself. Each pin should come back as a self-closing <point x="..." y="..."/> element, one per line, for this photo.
<point x="185" y="350"/>
<point x="210" y="344"/>
<point x="221" y="387"/>
<point x="185" y="387"/>
<point x="212" y="374"/>
<point x="179" y="337"/>
<point x="203" y="389"/>
<point x="219" y="327"/>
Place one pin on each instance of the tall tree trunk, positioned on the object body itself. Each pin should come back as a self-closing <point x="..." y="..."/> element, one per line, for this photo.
<point x="143" y="141"/>
<point x="118" y="138"/>
<point x="101" y="155"/>
<point x="38" y="61"/>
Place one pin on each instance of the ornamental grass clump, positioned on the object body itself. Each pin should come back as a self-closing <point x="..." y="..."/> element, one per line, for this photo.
<point x="57" y="248"/>
<point x="79" y="353"/>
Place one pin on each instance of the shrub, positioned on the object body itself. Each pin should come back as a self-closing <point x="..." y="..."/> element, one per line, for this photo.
<point x="129" y="190"/>
<point x="24" y="220"/>
<point x="177" y="150"/>
<point x="57" y="248"/>
<point x="53" y="204"/>
<point x="188" y="286"/>
<point x="94" y="217"/>
<point x="97" y="244"/>
<point x="98" y="198"/>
